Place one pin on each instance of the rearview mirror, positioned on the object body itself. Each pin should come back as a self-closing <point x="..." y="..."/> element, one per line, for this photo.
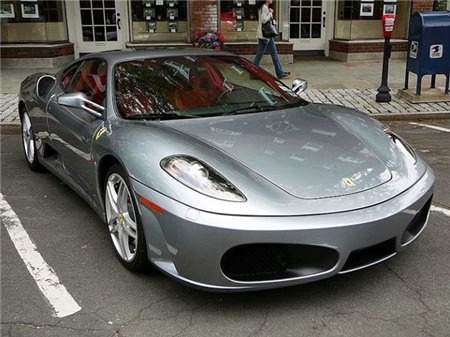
<point x="299" y="85"/>
<point x="79" y="100"/>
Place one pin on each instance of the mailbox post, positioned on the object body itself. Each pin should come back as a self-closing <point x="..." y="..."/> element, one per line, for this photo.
<point x="429" y="47"/>
<point x="387" y="22"/>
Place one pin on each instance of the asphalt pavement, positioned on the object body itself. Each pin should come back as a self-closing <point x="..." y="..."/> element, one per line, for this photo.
<point x="408" y="295"/>
<point x="352" y="84"/>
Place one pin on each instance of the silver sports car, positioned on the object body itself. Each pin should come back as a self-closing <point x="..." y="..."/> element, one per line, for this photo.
<point x="220" y="175"/>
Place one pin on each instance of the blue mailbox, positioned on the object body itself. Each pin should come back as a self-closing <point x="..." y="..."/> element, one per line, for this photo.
<point x="429" y="47"/>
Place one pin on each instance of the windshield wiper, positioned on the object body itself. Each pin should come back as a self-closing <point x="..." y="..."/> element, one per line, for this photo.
<point x="154" y="117"/>
<point x="251" y="109"/>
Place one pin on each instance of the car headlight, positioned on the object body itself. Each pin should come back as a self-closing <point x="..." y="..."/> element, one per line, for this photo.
<point x="402" y="145"/>
<point x="200" y="177"/>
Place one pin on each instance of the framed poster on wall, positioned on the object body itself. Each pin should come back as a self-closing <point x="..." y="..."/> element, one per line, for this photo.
<point x="149" y="3"/>
<point x="149" y="13"/>
<point x="172" y="26"/>
<point x="172" y="3"/>
<point x="30" y="10"/>
<point x="172" y="14"/>
<point x="151" y="27"/>
<point x="7" y="11"/>
<point x="366" y="9"/>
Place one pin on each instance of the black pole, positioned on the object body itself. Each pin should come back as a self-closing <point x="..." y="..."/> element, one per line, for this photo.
<point x="383" y="91"/>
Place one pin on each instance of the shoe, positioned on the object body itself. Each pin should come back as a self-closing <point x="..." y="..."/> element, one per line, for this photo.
<point x="285" y="74"/>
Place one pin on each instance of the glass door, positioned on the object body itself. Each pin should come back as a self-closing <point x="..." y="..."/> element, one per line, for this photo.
<point x="100" y="24"/>
<point x="307" y="24"/>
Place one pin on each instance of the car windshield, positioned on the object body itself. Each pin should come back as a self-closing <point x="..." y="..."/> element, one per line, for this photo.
<point x="200" y="86"/>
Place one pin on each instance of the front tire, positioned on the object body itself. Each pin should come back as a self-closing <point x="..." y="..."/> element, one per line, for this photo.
<point x="29" y="143"/>
<point x="124" y="221"/>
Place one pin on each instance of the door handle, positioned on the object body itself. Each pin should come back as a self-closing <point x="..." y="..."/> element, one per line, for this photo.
<point x="324" y="18"/>
<point x="118" y="20"/>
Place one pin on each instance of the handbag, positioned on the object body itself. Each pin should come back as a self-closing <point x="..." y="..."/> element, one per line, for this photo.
<point x="269" y="30"/>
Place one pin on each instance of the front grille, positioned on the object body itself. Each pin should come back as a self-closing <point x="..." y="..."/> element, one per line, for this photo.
<point x="259" y="262"/>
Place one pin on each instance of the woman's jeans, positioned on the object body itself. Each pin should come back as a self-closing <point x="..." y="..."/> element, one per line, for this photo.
<point x="273" y="52"/>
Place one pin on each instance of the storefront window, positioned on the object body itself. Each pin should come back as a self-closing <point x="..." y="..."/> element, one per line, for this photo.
<point x="239" y="19"/>
<point x="45" y="18"/>
<point x="159" y="20"/>
<point x="361" y="19"/>
<point x="441" y="5"/>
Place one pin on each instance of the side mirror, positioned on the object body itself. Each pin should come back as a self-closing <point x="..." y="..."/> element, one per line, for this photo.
<point x="44" y="84"/>
<point x="299" y="85"/>
<point x="79" y="100"/>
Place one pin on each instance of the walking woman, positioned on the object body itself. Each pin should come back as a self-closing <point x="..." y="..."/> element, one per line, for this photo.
<point x="265" y="13"/>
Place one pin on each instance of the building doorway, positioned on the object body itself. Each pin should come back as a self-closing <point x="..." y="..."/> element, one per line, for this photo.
<point x="100" y="25"/>
<point x="308" y="22"/>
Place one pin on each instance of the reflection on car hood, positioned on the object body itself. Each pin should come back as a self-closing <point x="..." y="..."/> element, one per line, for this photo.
<point x="301" y="150"/>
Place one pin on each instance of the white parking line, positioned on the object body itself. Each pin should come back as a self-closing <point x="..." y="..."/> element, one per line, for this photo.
<point x="431" y="127"/>
<point x="441" y="210"/>
<point x="62" y="302"/>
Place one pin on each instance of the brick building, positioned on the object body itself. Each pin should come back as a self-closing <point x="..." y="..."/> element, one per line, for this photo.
<point x="48" y="33"/>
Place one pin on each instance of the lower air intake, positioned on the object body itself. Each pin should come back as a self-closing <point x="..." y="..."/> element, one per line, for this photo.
<point x="261" y="262"/>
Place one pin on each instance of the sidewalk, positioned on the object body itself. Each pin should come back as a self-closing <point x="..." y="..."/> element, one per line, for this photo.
<point x="352" y="84"/>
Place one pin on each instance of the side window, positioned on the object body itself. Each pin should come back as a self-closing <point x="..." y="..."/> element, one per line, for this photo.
<point x="67" y="76"/>
<point x="90" y="79"/>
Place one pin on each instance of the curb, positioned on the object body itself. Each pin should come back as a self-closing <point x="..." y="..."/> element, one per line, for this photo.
<point x="6" y="129"/>
<point x="412" y="116"/>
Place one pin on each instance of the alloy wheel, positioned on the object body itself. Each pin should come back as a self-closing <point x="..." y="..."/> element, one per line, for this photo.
<point x="121" y="217"/>
<point x="27" y="138"/>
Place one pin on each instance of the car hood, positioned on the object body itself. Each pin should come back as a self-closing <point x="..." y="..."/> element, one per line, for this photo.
<point x="308" y="151"/>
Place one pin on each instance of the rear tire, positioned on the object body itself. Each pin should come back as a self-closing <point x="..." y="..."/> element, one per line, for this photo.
<point x="123" y="220"/>
<point x="29" y="143"/>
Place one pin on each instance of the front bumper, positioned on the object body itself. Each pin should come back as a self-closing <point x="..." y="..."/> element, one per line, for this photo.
<point x="237" y="253"/>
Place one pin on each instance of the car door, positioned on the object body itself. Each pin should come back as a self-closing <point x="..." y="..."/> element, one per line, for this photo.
<point x="72" y="129"/>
